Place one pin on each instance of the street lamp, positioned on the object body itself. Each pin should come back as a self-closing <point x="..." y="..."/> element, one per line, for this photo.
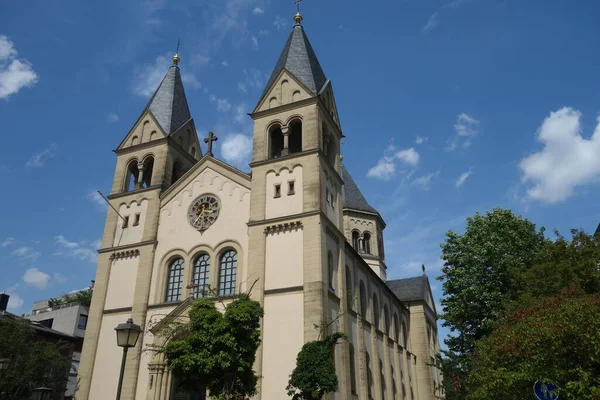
<point x="3" y="365"/>
<point x="41" y="393"/>
<point x="127" y="336"/>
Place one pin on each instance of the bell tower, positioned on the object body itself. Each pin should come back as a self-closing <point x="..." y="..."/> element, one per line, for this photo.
<point x="160" y="147"/>
<point x="296" y="243"/>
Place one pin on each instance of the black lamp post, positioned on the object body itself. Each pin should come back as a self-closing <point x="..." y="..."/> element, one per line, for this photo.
<point x="3" y="365"/>
<point x="127" y="336"/>
<point x="41" y="393"/>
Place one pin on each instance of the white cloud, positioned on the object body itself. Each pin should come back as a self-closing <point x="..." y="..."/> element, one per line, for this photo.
<point x="425" y="181"/>
<point x="280" y="23"/>
<point x="83" y="250"/>
<point x="432" y="22"/>
<point x="466" y="128"/>
<point x="59" y="277"/>
<point x="258" y="11"/>
<point x="242" y="87"/>
<point x="148" y="77"/>
<point x="255" y="78"/>
<point x="566" y="161"/>
<point x="112" y="117"/>
<point x="462" y="178"/>
<point x="421" y="140"/>
<point x="254" y="42"/>
<point x="7" y="242"/>
<point x="15" y="302"/>
<point x="14" y="74"/>
<point x="240" y="114"/>
<point x="236" y="149"/>
<point x="225" y="63"/>
<point x="37" y="278"/>
<point x="97" y="199"/>
<point x="200" y="59"/>
<point x="26" y="253"/>
<point x="39" y="159"/>
<point x="263" y="32"/>
<point x="223" y="105"/>
<point x="385" y="168"/>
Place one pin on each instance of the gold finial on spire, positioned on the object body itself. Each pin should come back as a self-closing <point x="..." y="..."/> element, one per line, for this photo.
<point x="298" y="18"/>
<point x="176" y="58"/>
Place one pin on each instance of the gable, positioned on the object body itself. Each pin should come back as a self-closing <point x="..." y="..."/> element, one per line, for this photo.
<point x="285" y="89"/>
<point x="326" y="95"/>
<point x="187" y="138"/>
<point x="145" y="130"/>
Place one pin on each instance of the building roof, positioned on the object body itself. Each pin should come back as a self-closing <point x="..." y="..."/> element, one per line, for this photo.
<point x="299" y="59"/>
<point x="168" y="104"/>
<point x="352" y="196"/>
<point x="409" y="289"/>
<point x="39" y="328"/>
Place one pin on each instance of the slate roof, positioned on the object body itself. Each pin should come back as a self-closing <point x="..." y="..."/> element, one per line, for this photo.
<point x="299" y="58"/>
<point x="352" y="196"/>
<point x="409" y="289"/>
<point x="169" y="104"/>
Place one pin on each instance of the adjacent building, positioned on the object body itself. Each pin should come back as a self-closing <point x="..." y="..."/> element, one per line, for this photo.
<point x="296" y="228"/>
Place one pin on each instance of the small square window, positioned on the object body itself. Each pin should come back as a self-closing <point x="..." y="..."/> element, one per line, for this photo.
<point x="82" y="323"/>
<point x="136" y="220"/>
<point x="125" y="221"/>
<point x="291" y="188"/>
<point x="277" y="191"/>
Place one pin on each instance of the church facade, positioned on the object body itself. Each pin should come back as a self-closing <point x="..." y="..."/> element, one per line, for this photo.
<point x="297" y="229"/>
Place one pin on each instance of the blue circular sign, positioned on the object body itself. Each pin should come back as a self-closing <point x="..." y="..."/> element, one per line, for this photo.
<point x="545" y="391"/>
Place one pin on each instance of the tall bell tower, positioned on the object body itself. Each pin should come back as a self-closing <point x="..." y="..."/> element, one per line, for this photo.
<point x="296" y="240"/>
<point x="155" y="153"/>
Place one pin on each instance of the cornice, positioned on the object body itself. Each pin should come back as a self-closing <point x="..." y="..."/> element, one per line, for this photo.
<point x="124" y="247"/>
<point x="273" y="221"/>
<point x="284" y="158"/>
<point x="133" y="192"/>
<point x="285" y="107"/>
<point x="132" y="149"/>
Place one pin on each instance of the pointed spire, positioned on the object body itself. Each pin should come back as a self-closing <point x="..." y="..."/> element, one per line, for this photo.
<point x="169" y="104"/>
<point x="299" y="59"/>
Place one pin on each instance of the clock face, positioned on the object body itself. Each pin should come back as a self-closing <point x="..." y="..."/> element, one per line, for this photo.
<point x="203" y="212"/>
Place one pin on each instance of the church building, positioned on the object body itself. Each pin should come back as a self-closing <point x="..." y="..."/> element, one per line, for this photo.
<point x="296" y="228"/>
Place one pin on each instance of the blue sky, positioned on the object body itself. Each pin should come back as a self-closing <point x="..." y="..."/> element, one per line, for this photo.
<point x="448" y="107"/>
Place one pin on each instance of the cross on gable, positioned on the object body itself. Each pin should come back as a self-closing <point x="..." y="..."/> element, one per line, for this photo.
<point x="209" y="141"/>
<point x="298" y="4"/>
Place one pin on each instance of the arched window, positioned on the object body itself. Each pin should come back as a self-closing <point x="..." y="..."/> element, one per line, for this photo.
<point x="386" y="319"/>
<point x="349" y="289"/>
<point x="295" y="140"/>
<point x="369" y="377"/>
<point x="227" y="273"/>
<point x="363" y="300"/>
<point x="396" y="329"/>
<point x="134" y="140"/>
<point x="352" y="370"/>
<point x="193" y="152"/>
<point x="330" y="269"/>
<point x="147" y="175"/>
<point x="177" y="172"/>
<point x="175" y="280"/>
<point x="355" y="240"/>
<point x="276" y="142"/>
<point x="133" y="174"/>
<point x="367" y="243"/>
<point x="200" y="280"/>
<point x="375" y="311"/>
<point x="404" y="336"/>
<point x="382" y="377"/>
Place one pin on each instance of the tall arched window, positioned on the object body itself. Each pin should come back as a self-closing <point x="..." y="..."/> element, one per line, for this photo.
<point x="295" y="140"/>
<point x="396" y="329"/>
<point x="275" y="142"/>
<point x="177" y="172"/>
<point x="349" y="288"/>
<point x="175" y="280"/>
<point x="367" y="243"/>
<point x="330" y="269"/>
<point x="227" y="273"/>
<point x="352" y="370"/>
<point x="382" y="378"/>
<point x="147" y="175"/>
<point x="133" y="174"/>
<point x="386" y="319"/>
<point x="355" y="239"/>
<point x="375" y="311"/>
<point x="369" y="377"/>
<point x="200" y="280"/>
<point x="363" y="300"/>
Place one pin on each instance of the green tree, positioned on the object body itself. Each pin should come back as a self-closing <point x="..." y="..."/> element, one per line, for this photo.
<point x="217" y="350"/>
<point x="314" y="375"/>
<point x="83" y="297"/>
<point x="32" y="360"/>
<point x="556" y="339"/>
